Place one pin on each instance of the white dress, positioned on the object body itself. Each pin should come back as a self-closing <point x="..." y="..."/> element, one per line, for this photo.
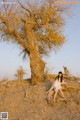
<point x="57" y="85"/>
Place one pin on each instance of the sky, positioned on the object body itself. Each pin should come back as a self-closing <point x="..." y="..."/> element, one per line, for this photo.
<point x="68" y="55"/>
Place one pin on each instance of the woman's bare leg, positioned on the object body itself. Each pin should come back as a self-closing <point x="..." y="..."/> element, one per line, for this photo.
<point x="50" y="94"/>
<point x="62" y="94"/>
<point x="55" y="95"/>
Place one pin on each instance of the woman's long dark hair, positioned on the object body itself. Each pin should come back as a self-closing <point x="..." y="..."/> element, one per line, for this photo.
<point x="61" y="77"/>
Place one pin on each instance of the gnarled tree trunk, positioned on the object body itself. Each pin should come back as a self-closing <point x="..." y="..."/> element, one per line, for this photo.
<point x="36" y="63"/>
<point x="37" y="67"/>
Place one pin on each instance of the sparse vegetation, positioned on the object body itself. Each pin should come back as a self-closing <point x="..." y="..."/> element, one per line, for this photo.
<point x="66" y="71"/>
<point x="20" y="73"/>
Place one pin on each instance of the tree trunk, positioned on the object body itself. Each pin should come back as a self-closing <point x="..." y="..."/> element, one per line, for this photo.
<point x="37" y="67"/>
<point x="36" y="63"/>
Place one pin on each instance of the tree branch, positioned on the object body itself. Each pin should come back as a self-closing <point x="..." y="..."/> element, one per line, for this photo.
<point x="24" y="7"/>
<point x="3" y="35"/>
<point x="22" y="43"/>
<point x="13" y="32"/>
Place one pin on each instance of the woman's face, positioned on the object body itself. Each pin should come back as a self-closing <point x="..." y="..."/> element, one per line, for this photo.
<point x="60" y="75"/>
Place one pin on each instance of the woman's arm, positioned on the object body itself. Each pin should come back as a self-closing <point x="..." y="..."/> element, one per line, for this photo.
<point x="63" y="82"/>
<point x="51" y="88"/>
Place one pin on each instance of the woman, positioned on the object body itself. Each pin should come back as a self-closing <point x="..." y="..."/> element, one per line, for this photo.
<point x="56" y="87"/>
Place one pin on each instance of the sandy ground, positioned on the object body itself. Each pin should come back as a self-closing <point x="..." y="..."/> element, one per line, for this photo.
<point x="25" y="102"/>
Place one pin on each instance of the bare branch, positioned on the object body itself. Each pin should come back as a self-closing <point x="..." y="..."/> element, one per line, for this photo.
<point x="22" y="43"/>
<point x="10" y="10"/>
<point x="25" y="53"/>
<point x="3" y="35"/>
<point x="42" y="50"/>
<point x="24" y="7"/>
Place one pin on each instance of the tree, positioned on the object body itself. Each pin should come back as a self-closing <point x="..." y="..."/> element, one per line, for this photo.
<point x="66" y="71"/>
<point x="35" y="29"/>
<point x="20" y="73"/>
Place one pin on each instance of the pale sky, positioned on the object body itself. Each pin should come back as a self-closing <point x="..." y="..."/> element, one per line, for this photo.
<point x="68" y="55"/>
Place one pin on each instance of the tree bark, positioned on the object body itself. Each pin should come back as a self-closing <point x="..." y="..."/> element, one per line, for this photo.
<point x="37" y="67"/>
<point x="36" y="63"/>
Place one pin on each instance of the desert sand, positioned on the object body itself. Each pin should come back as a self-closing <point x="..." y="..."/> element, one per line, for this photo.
<point x="23" y="101"/>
